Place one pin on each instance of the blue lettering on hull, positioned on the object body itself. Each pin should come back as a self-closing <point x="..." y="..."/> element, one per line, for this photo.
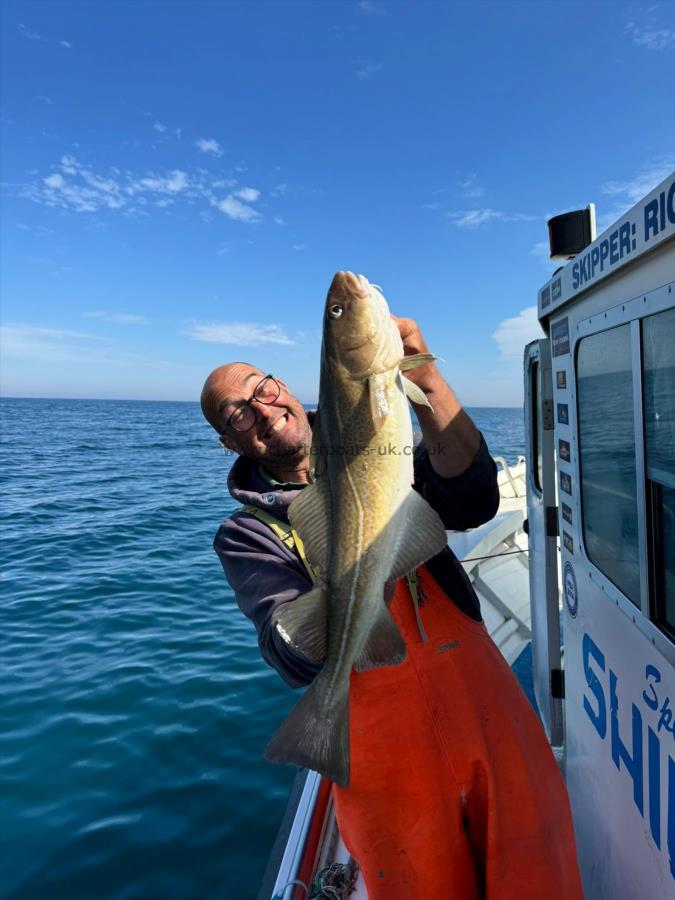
<point x="660" y="211"/>
<point x="628" y="755"/>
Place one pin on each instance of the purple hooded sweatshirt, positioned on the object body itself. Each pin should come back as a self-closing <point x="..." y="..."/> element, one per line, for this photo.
<point x="264" y="573"/>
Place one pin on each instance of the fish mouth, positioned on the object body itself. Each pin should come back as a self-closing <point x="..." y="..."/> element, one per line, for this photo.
<point x="346" y="285"/>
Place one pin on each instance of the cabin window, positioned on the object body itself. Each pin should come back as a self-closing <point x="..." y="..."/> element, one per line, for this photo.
<point x="658" y="360"/>
<point x="607" y="457"/>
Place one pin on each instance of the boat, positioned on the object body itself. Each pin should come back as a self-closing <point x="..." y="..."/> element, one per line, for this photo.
<point x="576" y="572"/>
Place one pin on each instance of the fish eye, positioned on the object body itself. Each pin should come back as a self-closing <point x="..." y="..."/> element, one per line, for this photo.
<point x="335" y="311"/>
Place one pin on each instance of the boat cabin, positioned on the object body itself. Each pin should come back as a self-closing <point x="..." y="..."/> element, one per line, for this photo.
<point x="600" y="430"/>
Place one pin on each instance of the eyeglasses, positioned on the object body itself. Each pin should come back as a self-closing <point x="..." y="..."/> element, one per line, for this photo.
<point x="242" y="417"/>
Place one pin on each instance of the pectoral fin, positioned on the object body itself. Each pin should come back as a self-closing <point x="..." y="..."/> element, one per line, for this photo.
<point x="417" y="534"/>
<point x="310" y="515"/>
<point x="414" y="393"/>
<point x="415" y="360"/>
<point x="385" y="645"/>
<point x="303" y="622"/>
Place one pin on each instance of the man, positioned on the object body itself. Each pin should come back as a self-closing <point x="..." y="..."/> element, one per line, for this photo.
<point x="454" y="792"/>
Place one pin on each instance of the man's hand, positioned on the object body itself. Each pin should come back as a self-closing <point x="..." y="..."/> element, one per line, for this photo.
<point x="449" y="434"/>
<point x="426" y="377"/>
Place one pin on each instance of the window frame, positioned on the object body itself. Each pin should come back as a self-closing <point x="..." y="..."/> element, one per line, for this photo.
<point x="658" y="581"/>
<point x="630" y="312"/>
<point x="654" y="537"/>
<point x="536" y="422"/>
<point x="636" y="604"/>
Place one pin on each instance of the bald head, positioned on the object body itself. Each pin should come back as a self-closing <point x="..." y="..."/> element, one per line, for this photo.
<point x="279" y="437"/>
<point x="225" y="382"/>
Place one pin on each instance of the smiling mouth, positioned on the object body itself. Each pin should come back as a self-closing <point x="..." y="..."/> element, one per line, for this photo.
<point x="278" y="426"/>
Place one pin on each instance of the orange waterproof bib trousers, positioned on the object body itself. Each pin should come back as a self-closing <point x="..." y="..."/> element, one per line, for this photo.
<point x="454" y="793"/>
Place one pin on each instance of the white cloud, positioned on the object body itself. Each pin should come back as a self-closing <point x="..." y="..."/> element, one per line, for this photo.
<point x="159" y="127"/>
<point x="55" y="181"/>
<point x="73" y="186"/>
<point x="34" y="36"/>
<point x="430" y="205"/>
<point x="44" y="343"/>
<point x="117" y="318"/>
<point x="249" y="194"/>
<point x="47" y="100"/>
<point x="87" y="193"/>
<point x="31" y="35"/>
<point x="37" y="230"/>
<point x="469" y="187"/>
<point x="650" y="36"/>
<point x="473" y="218"/>
<point x="647" y="178"/>
<point x="235" y="209"/>
<point x="173" y="183"/>
<point x="628" y="193"/>
<point x="514" y="333"/>
<point x="105" y="185"/>
<point x="242" y="334"/>
<point x="371" y="8"/>
<point x="210" y="146"/>
<point x="299" y="246"/>
<point x="367" y="69"/>
<point x="69" y="164"/>
<point x="279" y="189"/>
<point x="279" y="221"/>
<point x="542" y="251"/>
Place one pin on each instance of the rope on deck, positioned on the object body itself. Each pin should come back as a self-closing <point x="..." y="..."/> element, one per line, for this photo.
<point x="494" y="555"/>
<point x="334" y="882"/>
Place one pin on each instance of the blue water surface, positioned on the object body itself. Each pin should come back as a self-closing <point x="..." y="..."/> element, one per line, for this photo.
<point x="134" y="706"/>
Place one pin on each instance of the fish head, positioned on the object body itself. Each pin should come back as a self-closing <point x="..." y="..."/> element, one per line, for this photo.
<point x="358" y="331"/>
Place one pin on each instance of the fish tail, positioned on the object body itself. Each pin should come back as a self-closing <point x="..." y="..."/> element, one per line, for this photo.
<point x="315" y="735"/>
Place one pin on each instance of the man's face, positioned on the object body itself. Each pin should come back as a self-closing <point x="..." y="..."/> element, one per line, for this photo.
<point x="280" y="433"/>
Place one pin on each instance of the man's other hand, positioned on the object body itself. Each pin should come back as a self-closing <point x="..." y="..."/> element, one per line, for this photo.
<point x="449" y="434"/>
<point x="427" y="376"/>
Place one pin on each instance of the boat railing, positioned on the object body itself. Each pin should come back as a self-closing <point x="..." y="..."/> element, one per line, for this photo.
<point x="506" y="468"/>
<point x="297" y="839"/>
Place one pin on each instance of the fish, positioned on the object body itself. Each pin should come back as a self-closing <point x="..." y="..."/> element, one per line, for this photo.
<point x="361" y="523"/>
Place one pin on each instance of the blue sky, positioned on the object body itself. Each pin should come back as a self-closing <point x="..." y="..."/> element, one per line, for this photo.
<point x="182" y="179"/>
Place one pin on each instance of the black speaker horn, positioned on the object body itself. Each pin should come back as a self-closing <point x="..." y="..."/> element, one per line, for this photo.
<point x="570" y="232"/>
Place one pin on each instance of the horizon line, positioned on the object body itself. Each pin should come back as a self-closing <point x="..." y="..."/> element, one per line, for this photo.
<point x="313" y="403"/>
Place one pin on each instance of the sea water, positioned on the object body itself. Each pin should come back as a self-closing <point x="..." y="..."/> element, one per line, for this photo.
<point x="134" y="706"/>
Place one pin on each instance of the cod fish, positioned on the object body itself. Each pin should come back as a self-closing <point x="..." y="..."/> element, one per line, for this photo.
<point x="361" y="523"/>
